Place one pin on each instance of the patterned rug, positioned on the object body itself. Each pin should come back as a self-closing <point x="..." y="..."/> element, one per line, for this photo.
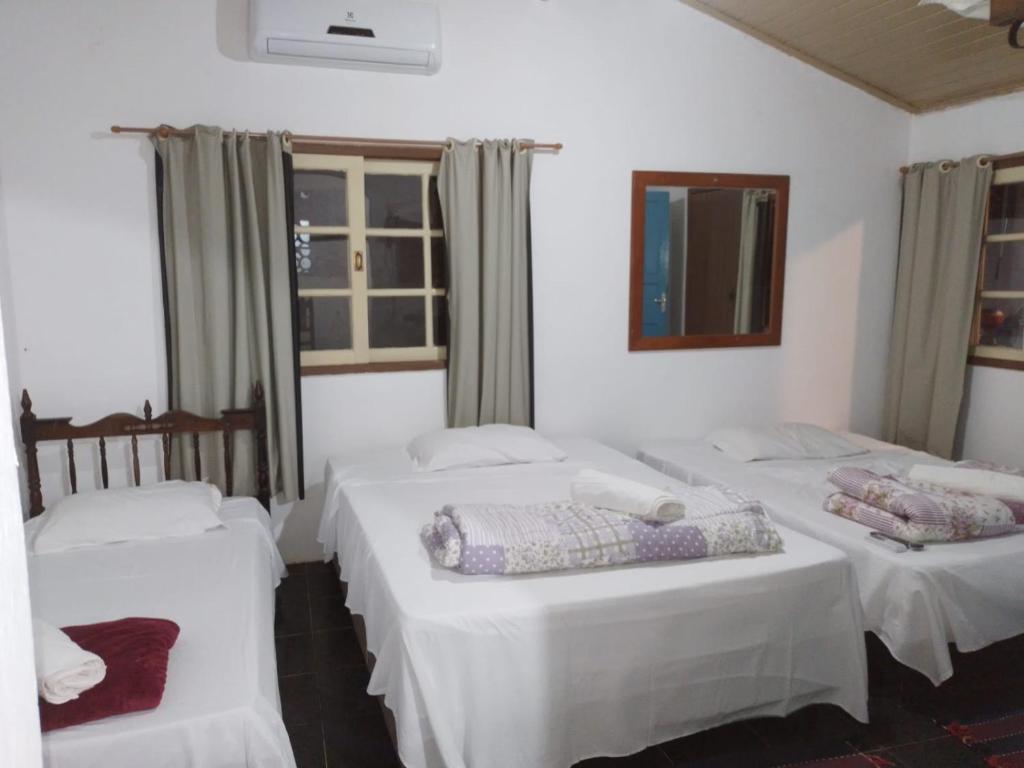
<point x="846" y="761"/>
<point x="1000" y="738"/>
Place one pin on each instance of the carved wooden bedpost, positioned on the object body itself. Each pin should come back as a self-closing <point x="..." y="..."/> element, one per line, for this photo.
<point x="262" y="454"/>
<point x="28" y="437"/>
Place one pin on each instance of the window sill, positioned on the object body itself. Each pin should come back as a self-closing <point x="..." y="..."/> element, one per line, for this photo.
<point x="409" y="365"/>
<point x="996" y="362"/>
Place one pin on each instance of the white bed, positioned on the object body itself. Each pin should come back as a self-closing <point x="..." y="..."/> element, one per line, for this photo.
<point x="545" y="670"/>
<point x="221" y="707"/>
<point x="967" y="593"/>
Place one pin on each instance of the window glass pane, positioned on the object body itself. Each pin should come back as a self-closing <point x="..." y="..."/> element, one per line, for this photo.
<point x="438" y="263"/>
<point x="394" y="262"/>
<point x="394" y="201"/>
<point x="1004" y="266"/>
<point x="1006" y="209"/>
<point x="440" y="321"/>
<point x="325" y="322"/>
<point x="320" y="199"/>
<point x="397" y="321"/>
<point x="436" y="221"/>
<point x="321" y="261"/>
<point x="1002" y="323"/>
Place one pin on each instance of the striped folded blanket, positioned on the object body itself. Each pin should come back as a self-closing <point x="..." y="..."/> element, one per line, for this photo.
<point x="501" y="539"/>
<point x="915" y="510"/>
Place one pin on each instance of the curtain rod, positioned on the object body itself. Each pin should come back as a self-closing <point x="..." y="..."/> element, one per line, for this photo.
<point x="984" y="160"/>
<point x="164" y="131"/>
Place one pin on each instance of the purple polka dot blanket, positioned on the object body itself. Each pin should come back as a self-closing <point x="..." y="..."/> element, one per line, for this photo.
<point x="504" y="539"/>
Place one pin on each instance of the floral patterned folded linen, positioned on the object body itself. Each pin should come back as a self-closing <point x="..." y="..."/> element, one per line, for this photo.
<point x="890" y="494"/>
<point x="989" y="466"/>
<point x="505" y="539"/>
<point x="1015" y="504"/>
<point x="963" y="528"/>
<point x="916" y="510"/>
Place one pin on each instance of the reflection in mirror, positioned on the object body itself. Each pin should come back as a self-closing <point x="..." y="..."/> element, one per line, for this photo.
<point x="707" y="265"/>
<point x="707" y="260"/>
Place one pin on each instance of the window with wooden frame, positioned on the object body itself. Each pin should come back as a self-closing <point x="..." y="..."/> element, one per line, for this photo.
<point x="998" y="332"/>
<point x="370" y="264"/>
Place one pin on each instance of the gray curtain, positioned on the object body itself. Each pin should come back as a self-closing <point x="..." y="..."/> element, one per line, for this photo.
<point x="227" y="276"/>
<point x="746" y="272"/>
<point x="943" y="219"/>
<point x="485" y="200"/>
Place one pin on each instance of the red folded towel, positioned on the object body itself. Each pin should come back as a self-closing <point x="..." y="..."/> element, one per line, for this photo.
<point x="135" y="652"/>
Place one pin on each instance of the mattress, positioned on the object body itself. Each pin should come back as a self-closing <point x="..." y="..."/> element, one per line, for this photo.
<point x="965" y="593"/>
<point x="544" y="670"/>
<point x="221" y="707"/>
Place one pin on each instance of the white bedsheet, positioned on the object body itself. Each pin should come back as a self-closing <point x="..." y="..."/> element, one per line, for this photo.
<point x="967" y="593"/>
<point x="221" y="707"/>
<point x="548" y="669"/>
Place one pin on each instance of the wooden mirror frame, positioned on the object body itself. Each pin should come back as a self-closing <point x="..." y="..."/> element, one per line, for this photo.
<point x="773" y="335"/>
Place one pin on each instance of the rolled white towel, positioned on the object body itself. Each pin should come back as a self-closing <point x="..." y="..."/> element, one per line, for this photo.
<point x="644" y="502"/>
<point x="63" y="669"/>
<point x="983" y="482"/>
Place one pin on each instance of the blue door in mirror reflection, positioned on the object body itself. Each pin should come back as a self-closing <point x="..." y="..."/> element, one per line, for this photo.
<point x="656" y="245"/>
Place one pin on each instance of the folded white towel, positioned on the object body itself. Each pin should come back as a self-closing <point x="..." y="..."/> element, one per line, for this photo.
<point x="983" y="482"/>
<point x="63" y="669"/>
<point x="644" y="502"/>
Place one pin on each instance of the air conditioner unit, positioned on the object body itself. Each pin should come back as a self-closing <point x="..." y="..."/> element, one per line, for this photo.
<point x="382" y="35"/>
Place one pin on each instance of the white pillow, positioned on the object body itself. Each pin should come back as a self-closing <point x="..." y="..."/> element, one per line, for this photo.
<point x="784" y="441"/>
<point x="173" y="508"/>
<point x="485" y="446"/>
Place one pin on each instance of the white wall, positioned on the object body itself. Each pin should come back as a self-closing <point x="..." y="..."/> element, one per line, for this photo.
<point x="626" y="84"/>
<point x="19" y="714"/>
<point x="994" y="414"/>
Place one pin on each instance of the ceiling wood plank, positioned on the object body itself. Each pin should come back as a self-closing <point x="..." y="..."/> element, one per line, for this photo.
<point x="918" y="58"/>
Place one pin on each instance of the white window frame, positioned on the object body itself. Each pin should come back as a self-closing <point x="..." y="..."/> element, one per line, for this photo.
<point x="356" y="169"/>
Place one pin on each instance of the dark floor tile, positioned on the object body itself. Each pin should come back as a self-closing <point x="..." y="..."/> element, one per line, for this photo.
<point x="291" y="615"/>
<point x="329" y="612"/>
<point x="649" y="758"/>
<point x="299" y="700"/>
<point x="938" y="753"/>
<point x="342" y="692"/>
<point x="294" y="655"/>
<point x="893" y="723"/>
<point x="726" y="741"/>
<point x="334" y="648"/>
<point x="816" y="724"/>
<point x="322" y="580"/>
<point x="307" y="745"/>
<point x="359" y="742"/>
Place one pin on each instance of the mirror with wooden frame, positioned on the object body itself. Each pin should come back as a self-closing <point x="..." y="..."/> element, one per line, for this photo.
<point x="708" y="260"/>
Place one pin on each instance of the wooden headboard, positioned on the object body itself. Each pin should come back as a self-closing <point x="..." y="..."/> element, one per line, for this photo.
<point x="35" y="430"/>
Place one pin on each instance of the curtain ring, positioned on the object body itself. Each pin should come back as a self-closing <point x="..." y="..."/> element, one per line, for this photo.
<point x="984" y="161"/>
<point x="163" y="131"/>
<point x="945" y="166"/>
<point x="449" y="144"/>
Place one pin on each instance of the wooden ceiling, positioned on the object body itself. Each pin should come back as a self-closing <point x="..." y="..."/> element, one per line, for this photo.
<point x="920" y="58"/>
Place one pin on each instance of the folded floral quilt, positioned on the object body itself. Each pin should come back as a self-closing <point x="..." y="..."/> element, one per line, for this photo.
<point x="915" y="510"/>
<point x="1015" y="504"/>
<point x="501" y="539"/>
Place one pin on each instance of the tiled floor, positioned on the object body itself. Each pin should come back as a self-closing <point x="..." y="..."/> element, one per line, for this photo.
<point x="334" y="723"/>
